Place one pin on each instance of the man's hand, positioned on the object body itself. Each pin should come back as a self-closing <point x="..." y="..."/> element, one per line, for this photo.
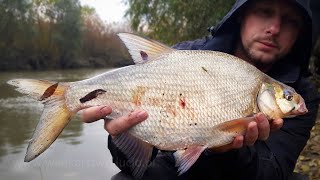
<point x="115" y="126"/>
<point x="256" y="130"/>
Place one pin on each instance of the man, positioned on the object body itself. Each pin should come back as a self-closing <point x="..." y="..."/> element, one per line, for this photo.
<point x="275" y="36"/>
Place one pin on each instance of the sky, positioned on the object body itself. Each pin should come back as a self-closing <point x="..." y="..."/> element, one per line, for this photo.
<point x="108" y="10"/>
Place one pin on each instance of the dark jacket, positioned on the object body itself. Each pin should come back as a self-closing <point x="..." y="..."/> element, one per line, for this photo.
<point x="271" y="159"/>
<point x="315" y="7"/>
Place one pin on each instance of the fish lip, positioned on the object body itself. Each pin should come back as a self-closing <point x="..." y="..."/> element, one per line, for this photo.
<point x="302" y="109"/>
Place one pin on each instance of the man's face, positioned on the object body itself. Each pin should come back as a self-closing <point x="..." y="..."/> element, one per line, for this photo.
<point x="269" y="29"/>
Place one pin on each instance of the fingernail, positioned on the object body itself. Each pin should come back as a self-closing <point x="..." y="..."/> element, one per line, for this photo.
<point x="142" y="115"/>
<point x="252" y="124"/>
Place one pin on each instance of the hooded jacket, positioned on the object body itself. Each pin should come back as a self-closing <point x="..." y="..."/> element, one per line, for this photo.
<point x="226" y="33"/>
<point x="272" y="159"/>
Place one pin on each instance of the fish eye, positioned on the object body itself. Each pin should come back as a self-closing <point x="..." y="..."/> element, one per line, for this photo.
<point x="287" y="95"/>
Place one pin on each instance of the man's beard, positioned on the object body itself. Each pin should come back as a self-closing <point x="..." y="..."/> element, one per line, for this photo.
<point x="254" y="60"/>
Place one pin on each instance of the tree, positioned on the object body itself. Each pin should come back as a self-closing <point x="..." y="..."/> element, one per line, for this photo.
<point x="68" y="25"/>
<point x="15" y="28"/>
<point x="175" y="20"/>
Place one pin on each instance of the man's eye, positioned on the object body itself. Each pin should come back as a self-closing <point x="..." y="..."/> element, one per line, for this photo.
<point x="291" y="21"/>
<point x="264" y="12"/>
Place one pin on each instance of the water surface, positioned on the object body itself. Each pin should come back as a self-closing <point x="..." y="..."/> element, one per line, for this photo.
<point x="80" y="152"/>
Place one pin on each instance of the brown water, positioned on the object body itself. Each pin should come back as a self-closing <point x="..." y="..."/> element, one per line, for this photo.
<point x="80" y="152"/>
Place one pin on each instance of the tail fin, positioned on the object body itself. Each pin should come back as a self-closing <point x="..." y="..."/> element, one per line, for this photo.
<point x="55" y="115"/>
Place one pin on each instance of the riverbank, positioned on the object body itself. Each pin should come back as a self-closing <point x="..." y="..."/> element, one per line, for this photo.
<point x="89" y="62"/>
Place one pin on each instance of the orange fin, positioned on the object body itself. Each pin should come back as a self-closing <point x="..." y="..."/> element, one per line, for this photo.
<point x="186" y="158"/>
<point x="238" y="126"/>
<point x="49" y="92"/>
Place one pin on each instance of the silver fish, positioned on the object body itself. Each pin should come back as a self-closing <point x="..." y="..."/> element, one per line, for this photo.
<point x="195" y="99"/>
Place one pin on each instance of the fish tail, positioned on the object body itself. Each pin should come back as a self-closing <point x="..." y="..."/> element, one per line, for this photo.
<point x="55" y="115"/>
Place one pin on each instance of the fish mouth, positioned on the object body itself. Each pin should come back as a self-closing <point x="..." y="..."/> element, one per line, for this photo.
<point x="302" y="109"/>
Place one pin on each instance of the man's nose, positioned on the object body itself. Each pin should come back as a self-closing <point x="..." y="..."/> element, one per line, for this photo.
<point x="274" y="25"/>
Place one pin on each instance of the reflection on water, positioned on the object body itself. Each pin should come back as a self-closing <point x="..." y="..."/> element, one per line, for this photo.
<point x="73" y="151"/>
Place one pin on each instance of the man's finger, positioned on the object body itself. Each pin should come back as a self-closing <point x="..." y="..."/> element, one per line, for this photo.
<point x="276" y="124"/>
<point x="237" y="142"/>
<point x="251" y="134"/>
<point x="263" y="126"/>
<point x="95" y="113"/>
<point x="122" y="124"/>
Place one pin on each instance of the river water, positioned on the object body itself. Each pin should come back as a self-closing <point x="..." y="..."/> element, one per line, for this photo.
<point x="80" y="152"/>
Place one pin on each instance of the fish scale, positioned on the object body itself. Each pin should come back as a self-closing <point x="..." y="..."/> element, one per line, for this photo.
<point x="195" y="100"/>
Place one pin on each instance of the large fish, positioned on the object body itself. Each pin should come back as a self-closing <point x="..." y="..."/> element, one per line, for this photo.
<point x="195" y="100"/>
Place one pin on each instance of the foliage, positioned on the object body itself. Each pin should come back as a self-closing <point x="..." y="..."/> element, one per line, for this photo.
<point x="176" y="20"/>
<point x="14" y="29"/>
<point x="100" y="41"/>
<point x="42" y="34"/>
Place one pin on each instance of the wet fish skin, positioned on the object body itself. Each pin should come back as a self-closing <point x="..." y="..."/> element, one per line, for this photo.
<point x="195" y="100"/>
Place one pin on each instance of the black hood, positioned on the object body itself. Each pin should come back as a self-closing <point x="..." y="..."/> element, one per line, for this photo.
<point x="299" y="57"/>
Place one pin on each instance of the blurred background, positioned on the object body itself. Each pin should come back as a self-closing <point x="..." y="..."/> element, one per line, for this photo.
<point x="69" y="40"/>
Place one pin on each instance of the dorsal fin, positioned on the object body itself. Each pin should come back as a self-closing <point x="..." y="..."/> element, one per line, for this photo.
<point x="143" y="50"/>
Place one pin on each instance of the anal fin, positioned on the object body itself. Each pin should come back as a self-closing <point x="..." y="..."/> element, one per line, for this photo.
<point x="137" y="152"/>
<point x="186" y="158"/>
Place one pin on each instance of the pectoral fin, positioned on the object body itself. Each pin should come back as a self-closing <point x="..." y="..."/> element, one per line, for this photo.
<point x="186" y="158"/>
<point x="237" y="126"/>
